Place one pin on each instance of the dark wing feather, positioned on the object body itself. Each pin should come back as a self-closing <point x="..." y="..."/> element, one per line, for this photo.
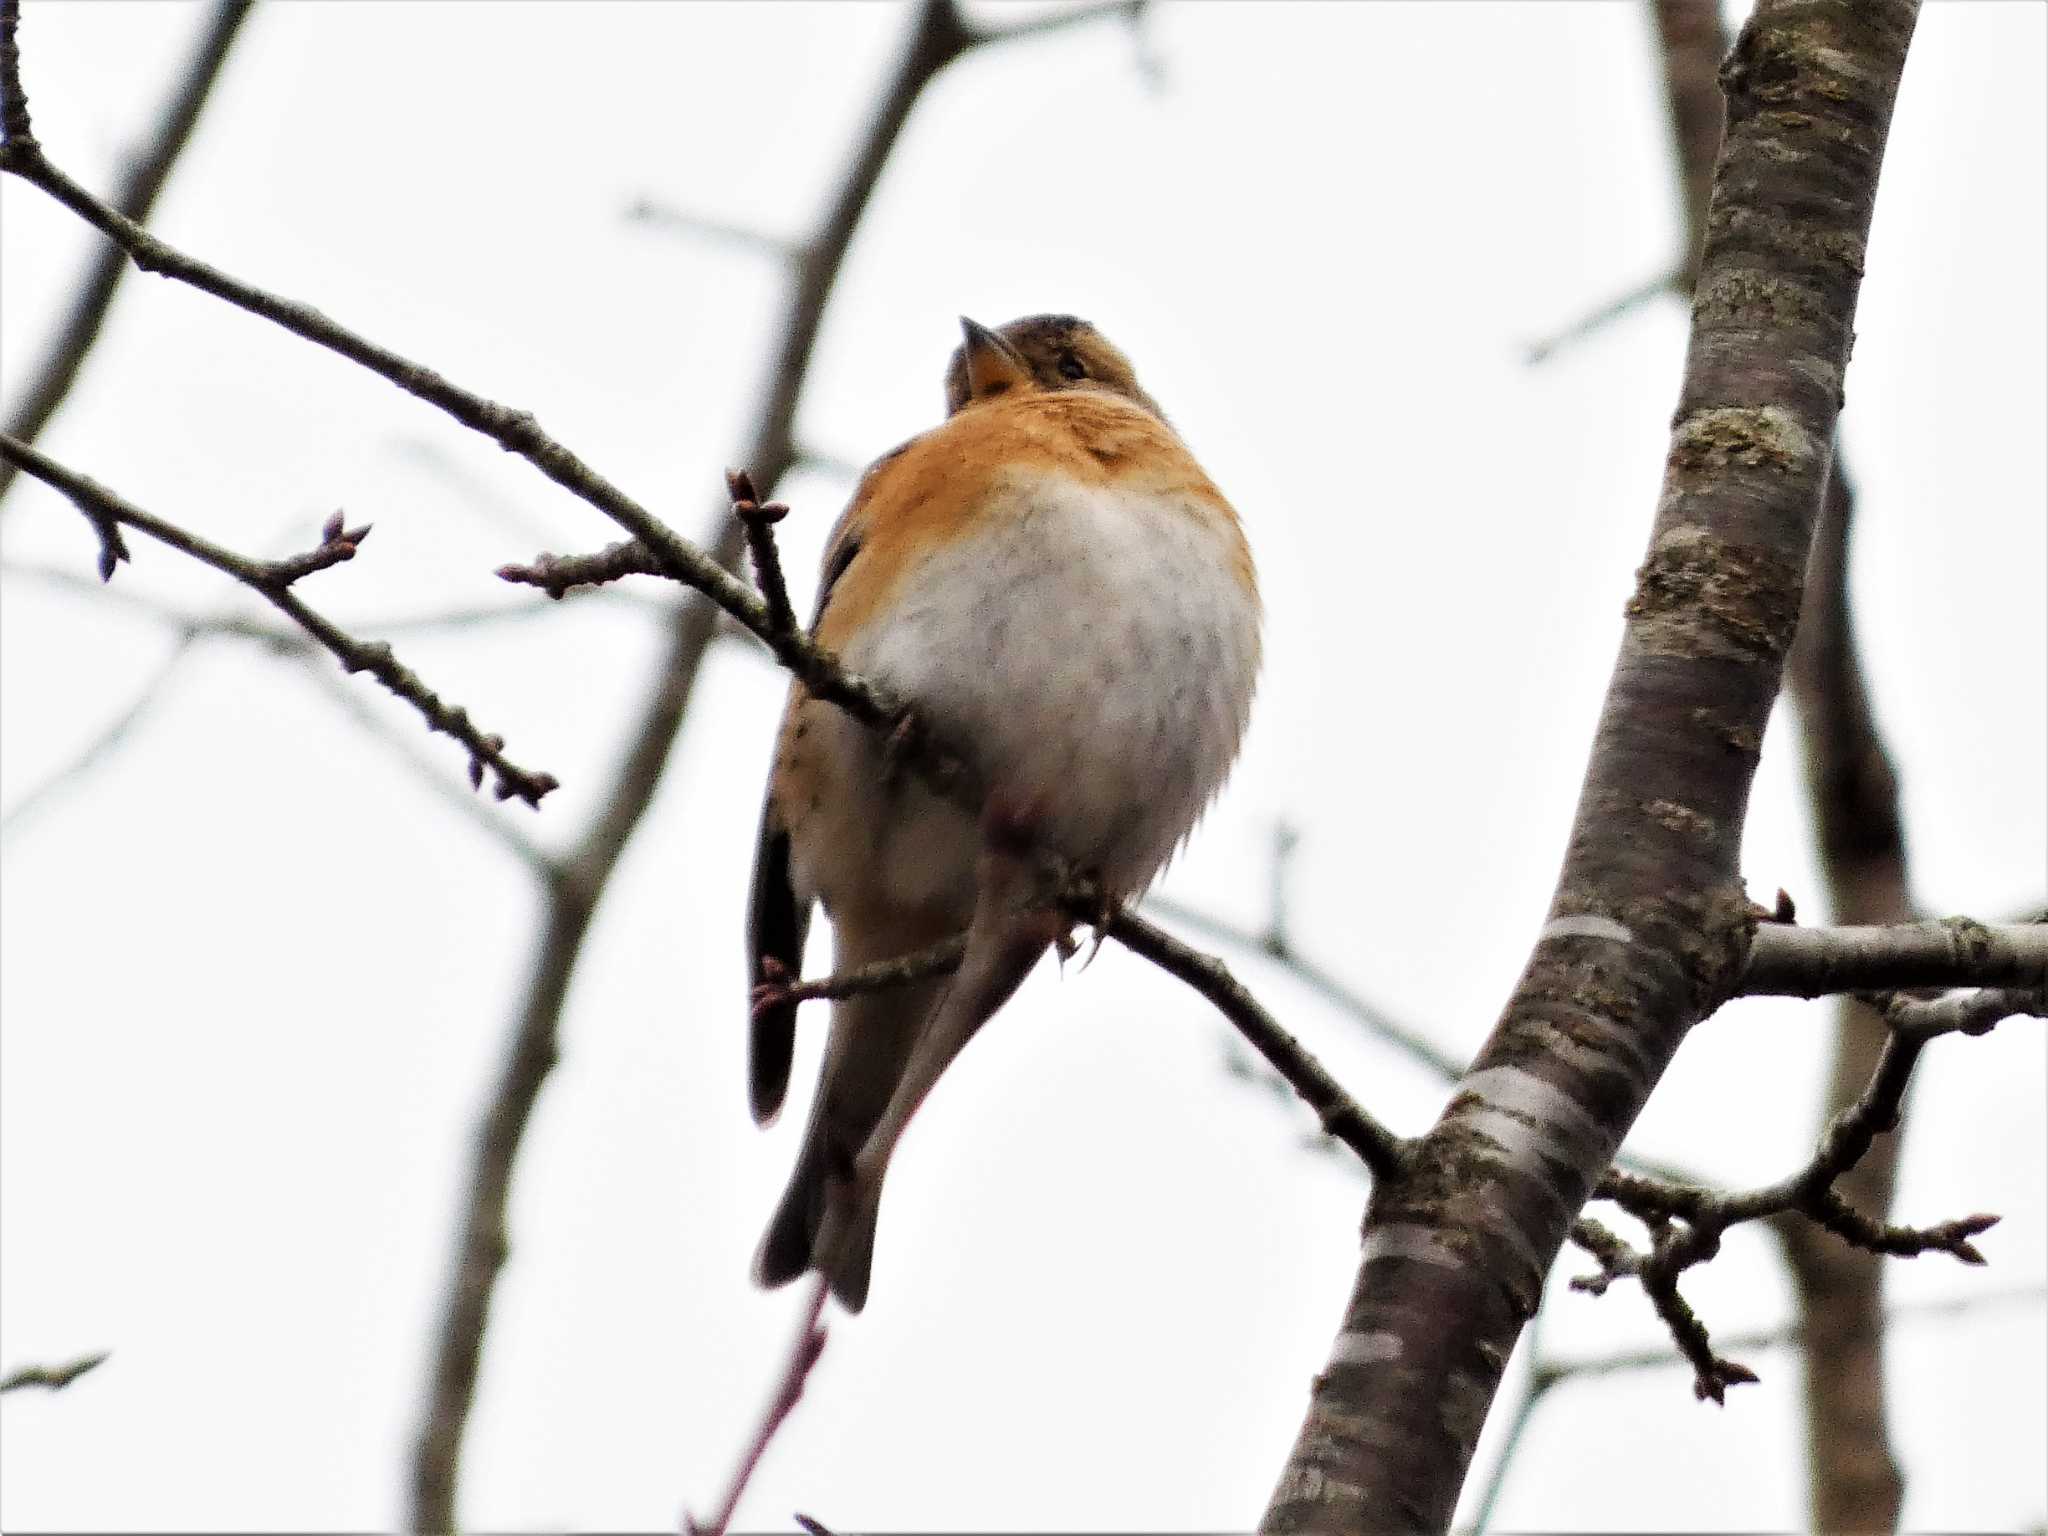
<point x="776" y="928"/>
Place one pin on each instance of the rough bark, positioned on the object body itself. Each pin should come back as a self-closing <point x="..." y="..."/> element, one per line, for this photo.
<point x="1649" y="925"/>
<point x="1853" y="1478"/>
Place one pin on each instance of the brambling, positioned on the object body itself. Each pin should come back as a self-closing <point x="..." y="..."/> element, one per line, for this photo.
<point x="1060" y="591"/>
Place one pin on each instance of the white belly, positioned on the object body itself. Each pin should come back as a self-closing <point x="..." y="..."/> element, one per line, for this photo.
<point x="1096" y="652"/>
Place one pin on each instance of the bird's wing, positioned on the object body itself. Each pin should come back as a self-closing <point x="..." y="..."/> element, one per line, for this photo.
<point x="778" y="921"/>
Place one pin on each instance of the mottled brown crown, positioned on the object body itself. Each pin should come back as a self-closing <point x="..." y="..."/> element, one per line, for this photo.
<point x="1062" y="352"/>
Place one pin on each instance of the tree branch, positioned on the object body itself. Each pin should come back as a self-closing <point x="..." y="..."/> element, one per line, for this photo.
<point x="136" y="198"/>
<point x="1648" y="928"/>
<point x="803" y="1358"/>
<point x="273" y="581"/>
<point x="1786" y="961"/>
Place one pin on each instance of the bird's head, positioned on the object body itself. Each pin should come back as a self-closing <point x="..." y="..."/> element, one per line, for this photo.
<point x="1050" y="352"/>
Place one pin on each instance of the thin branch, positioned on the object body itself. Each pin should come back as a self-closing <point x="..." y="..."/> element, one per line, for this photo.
<point x="1546" y="1375"/>
<point x="1810" y="1189"/>
<point x="1326" y="985"/>
<point x="273" y="580"/>
<point x="701" y="226"/>
<point x="758" y="520"/>
<point x="95" y="752"/>
<point x="776" y="989"/>
<point x="558" y="575"/>
<point x="803" y="1357"/>
<point x="54" y="1377"/>
<point x="136" y="198"/>
<point x="1593" y="321"/>
<point x="504" y="831"/>
<point x="1968" y="1013"/>
<point x="1788" y="961"/>
<point x="1342" y="1117"/>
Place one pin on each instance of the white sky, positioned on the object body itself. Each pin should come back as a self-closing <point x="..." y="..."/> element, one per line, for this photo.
<point x="257" y="975"/>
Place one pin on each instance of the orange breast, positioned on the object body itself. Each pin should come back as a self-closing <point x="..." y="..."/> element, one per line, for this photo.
<point x="937" y="486"/>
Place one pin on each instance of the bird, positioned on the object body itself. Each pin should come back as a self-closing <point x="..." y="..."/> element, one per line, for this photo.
<point x="1061" y="593"/>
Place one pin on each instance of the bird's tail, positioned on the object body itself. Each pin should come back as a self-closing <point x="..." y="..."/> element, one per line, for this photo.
<point x="823" y="1223"/>
<point x="870" y="1043"/>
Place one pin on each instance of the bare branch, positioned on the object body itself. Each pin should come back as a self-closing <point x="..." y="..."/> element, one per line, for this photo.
<point x="777" y="988"/>
<point x="136" y="198"/>
<point x="684" y="221"/>
<point x="1596" y="320"/>
<point x="1969" y="1013"/>
<point x="1787" y="961"/>
<point x="502" y="830"/>
<point x="1407" y="1040"/>
<point x="102" y="746"/>
<point x="803" y="1356"/>
<point x="1342" y="1116"/>
<point x="273" y="580"/>
<point x="55" y="1377"/>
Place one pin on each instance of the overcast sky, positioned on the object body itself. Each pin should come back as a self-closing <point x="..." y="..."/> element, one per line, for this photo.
<point x="258" y="975"/>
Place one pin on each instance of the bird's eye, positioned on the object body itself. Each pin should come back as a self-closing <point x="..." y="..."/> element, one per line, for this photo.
<point x="1072" y="367"/>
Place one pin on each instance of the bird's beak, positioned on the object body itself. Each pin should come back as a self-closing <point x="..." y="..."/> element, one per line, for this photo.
<point x="993" y="365"/>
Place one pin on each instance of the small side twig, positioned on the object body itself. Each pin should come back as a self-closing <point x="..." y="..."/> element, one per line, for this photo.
<point x="54" y="1377"/>
<point x="803" y="1357"/>
<point x="1657" y="1272"/>
<point x="1539" y="352"/>
<point x="776" y="987"/>
<point x="557" y="574"/>
<point x="758" y="519"/>
<point x="1965" y="1013"/>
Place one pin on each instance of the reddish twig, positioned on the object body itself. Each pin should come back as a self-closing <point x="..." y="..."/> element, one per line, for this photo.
<point x="803" y="1357"/>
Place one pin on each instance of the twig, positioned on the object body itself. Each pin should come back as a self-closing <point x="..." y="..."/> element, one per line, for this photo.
<point x="776" y="988"/>
<point x="136" y="198"/>
<point x="803" y="1356"/>
<point x="102" y="746"/>
<point x="1810" y="1189"/>
<point x="55" y="1377"/>
<point x="504" y="831"/>
<point x="758" y="519"/>
<point x="1546" y="1375"/>
<point x="273" y="580"/>
<point x="1968" y="1013"/>
<point x="1540" y="352"/>
<point x="1788" y="961"/>
<point x="236" y="626"/>
<point x="684" y="221"/>
<point x="558" y="574"/>
<point x="1342" y="1116"/>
